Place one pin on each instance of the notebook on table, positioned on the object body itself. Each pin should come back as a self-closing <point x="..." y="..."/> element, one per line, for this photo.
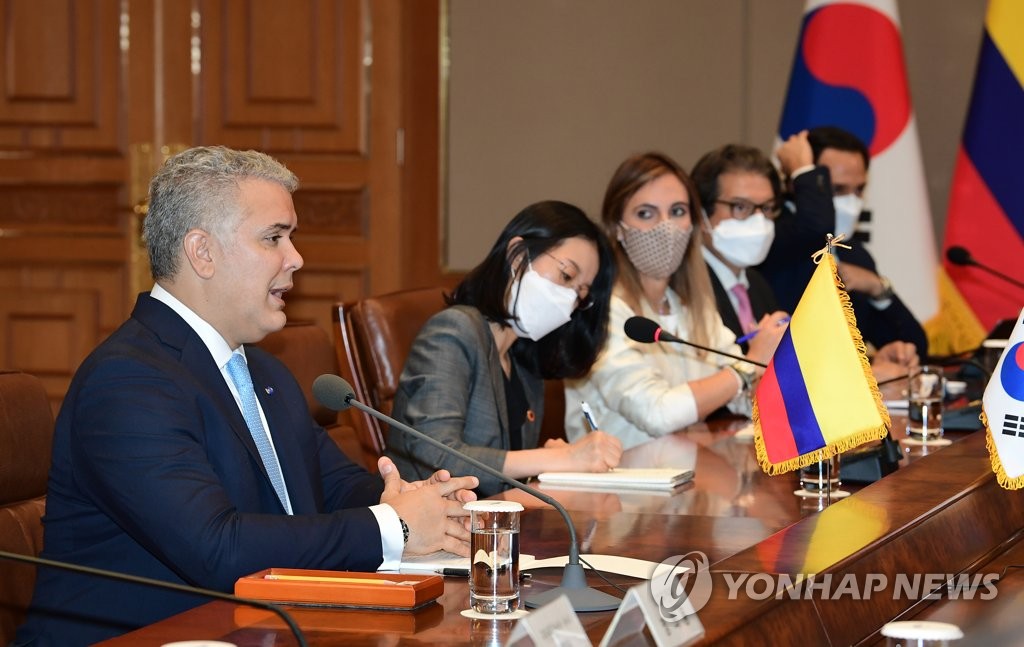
<point x="635" y="478"/>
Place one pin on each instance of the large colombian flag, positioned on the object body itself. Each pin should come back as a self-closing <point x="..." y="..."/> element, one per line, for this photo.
<point x="817" y="397"/>
<point x="986" y="202"/>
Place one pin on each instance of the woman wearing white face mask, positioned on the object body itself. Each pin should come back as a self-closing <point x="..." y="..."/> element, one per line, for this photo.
<point x="739" y="190"/>
<point x="536" y="308"/>
<point x="641" y="391"/>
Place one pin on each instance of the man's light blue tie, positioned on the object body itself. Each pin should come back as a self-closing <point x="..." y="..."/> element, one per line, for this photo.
<point x="239" y="372"/>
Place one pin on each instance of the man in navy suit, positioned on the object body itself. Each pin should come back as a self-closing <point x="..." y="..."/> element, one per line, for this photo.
<point x="166" y="466"/>
<point x="827" y="169"/>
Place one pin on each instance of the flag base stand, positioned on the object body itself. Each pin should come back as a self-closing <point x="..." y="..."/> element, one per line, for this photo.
<point x="869" y="463"/>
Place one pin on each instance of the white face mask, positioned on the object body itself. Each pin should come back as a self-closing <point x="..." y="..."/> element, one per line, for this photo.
<point x="744" y="242"/>
<point x="539" y="305"/>
<point x="848" y="208"/>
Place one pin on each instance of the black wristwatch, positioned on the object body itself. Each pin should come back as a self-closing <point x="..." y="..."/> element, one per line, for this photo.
<point x="405" y="530"/>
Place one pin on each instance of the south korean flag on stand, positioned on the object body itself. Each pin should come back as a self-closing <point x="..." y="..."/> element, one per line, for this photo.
<point x="1003" y="412"/>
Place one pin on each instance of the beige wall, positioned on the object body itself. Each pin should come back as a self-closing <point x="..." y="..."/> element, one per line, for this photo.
<point x="545" y="97"/>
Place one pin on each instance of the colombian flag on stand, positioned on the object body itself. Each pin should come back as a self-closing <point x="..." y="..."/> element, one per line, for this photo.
<point x="848" y="71"/>
<point x="817" y="397"/>
<point x="1003" y="412"/>
<point x="986" y="202"/>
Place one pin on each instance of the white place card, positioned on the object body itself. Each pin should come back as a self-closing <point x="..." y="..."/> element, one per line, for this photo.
<point x="639" y="608"/>
<point x="555" y="623"/>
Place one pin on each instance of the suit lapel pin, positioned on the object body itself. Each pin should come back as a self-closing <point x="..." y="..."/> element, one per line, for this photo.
<point x="269" y="390"/>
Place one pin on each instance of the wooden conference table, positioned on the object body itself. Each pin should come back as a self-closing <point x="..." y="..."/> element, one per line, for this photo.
<point x="941" y="512"/>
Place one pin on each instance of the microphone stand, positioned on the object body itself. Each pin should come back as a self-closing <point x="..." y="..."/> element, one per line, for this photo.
<point x="738" y="358"/>
<point x="1009" y="279"/>
<point x="160" y="584"/>
<point x="574" y="579"/>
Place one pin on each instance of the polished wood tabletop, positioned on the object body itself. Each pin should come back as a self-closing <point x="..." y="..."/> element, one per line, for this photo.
<point x="940" y="512"/>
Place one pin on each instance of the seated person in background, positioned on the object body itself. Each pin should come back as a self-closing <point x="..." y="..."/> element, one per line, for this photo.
<point x="168" y="464"/>
<point x="827" y="170"/>
<point x="640" y="391"/>
<point x="536" y="308"/>
<point x="739" y="189"/>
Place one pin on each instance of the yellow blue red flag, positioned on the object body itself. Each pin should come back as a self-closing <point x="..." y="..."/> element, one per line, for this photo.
<point x="986" y="204"/>
<point x="817" y="397"/>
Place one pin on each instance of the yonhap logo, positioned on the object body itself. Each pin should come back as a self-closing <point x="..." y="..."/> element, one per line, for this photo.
<point x="681" y="585"/>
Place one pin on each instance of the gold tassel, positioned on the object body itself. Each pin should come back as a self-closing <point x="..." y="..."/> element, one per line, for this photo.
<point x="1005" y="480"/>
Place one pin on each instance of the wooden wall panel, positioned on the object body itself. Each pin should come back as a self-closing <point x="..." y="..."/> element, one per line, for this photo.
<point x="283" y="77"/>
<point x="47" y="333"/>
<point x="95" y="93"/>
<point x="59" y="58"/>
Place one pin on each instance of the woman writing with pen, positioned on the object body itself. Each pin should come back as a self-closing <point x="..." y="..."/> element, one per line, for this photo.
<point x="637" y="391"/>
<point x="536" y="308"/>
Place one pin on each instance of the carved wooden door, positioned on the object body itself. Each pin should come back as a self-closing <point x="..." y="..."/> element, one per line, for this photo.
<point x="95" y="93"/>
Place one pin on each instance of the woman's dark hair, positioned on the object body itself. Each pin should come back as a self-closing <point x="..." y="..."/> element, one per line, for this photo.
<point x="570" y="350"/>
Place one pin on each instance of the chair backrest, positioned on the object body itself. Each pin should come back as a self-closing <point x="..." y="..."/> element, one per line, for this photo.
<point x="26" y="437"/>
<point x="373" y="337"/>
<point x="306" y="349"/>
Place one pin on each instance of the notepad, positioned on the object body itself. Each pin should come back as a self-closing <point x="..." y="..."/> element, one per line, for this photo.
<point x="626" y="478"/>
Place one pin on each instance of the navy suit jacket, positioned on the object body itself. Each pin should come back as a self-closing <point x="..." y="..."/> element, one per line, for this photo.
<point x="799" y="232"/>
<point x="155" y="474"/>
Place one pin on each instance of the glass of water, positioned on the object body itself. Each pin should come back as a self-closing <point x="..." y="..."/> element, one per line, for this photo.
<point x="924" y="403"/>
<point x="821" y="477"/>
<point x="494" y="556"/>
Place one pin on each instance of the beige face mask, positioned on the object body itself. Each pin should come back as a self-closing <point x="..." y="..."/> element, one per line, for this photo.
<point x="655" y="252"/>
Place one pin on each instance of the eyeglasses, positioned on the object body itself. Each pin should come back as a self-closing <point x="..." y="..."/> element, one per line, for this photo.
<point x="583" y="299"/>
<point x="742" y="209"/>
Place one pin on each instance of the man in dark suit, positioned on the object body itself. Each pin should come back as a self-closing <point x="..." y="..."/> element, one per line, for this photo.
<point x="827" y="170"/>
<point x="738" y="189"/>
<point x="181" y="454"/>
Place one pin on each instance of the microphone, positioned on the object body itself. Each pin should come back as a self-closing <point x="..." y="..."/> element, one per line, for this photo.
<point x="160" y="584"/>
<point x="336" y="393"/>
<point x="645" y="331"/>
<point x="958" y="255"/>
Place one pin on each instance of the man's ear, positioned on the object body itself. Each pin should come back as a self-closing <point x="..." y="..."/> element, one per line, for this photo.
<point x="705" y="221"/>
<point x="198" y="250"/>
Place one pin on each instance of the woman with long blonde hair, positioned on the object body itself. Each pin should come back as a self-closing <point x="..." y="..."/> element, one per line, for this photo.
<point x="639" y="391"/>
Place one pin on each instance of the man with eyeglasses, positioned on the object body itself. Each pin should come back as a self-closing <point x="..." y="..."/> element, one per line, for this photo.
<point x="739" y="190"/>
<point x="827" y="170"/>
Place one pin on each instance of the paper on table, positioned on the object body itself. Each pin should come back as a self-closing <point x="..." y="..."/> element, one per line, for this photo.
<point x="629" y="566"/>
<point x="442" y="559"/>
<point x="638" y="568"/>
<point x="654" y="478"/>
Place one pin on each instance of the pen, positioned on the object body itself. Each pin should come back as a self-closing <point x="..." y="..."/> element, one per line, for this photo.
<point x="338" y="580"/>
<point x="464" y="572"/>
<point x="753" y="333"/>
<point x="453" y="572"/>
<point x="588" y="416"/>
